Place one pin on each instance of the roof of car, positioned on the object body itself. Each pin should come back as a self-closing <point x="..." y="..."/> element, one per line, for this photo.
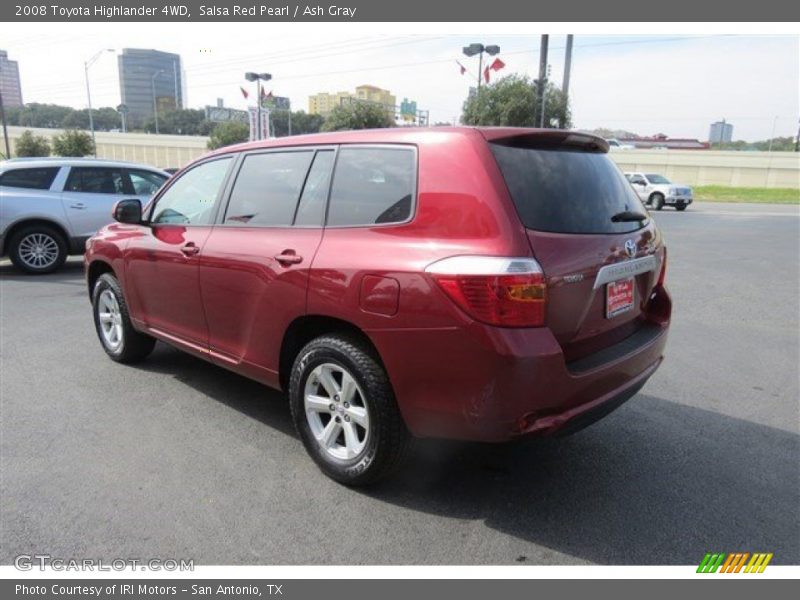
<point x="72" y="162"/>
<point x="415" y="135"/>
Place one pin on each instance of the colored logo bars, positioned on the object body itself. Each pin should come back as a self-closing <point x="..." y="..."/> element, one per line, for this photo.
<point x="734" y="562"/>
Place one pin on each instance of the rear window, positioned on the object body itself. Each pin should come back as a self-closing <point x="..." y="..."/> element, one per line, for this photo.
<point x="372" y="186"/>
<point x="34" y="179"/>
<point x="567" y="191"/>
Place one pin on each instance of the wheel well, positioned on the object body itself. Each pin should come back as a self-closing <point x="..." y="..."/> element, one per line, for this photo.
<point x="654" y="194"/>
<point x="96" y="269"/>
<point x="304" y="329"/>
<point x="20" y="224"/>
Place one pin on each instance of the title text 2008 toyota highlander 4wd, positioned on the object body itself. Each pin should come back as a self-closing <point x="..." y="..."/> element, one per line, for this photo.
<point x="479" y="284"/>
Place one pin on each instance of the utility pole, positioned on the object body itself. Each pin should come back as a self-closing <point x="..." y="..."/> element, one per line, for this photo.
<point x="567" y="66"/>
<point x="542" y="75"/>
<point x="86" y="66"/>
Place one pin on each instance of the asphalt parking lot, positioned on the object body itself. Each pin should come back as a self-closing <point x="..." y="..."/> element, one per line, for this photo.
<point x="175" y="458"/>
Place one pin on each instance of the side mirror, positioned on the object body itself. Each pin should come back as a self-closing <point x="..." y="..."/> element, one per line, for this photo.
<point x="128" y="211"/>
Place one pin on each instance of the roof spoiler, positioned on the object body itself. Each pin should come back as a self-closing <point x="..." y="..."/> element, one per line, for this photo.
<point x="547" y="139"/>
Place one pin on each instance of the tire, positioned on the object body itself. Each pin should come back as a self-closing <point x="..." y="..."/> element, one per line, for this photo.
<point x="363" y="402"/>
<point x="681" y="207"/>
<point x="37" y="249"/>
<point x="112" y="322"/>
<point x="657" y="201"/>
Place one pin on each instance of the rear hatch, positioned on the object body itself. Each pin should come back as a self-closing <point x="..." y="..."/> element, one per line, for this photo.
<point x="600" y="252"/>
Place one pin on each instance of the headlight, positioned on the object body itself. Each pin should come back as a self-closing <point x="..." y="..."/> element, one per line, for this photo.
<point x="673" y="191"/>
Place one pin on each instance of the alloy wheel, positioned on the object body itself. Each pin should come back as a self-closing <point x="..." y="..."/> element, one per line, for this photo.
<point x="110" y="319"/>
<point x="38" y="250"/>
<point x="336" y="411"/>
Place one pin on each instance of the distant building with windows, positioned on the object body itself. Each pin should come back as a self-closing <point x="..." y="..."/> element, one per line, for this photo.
<point x="324" y="102"/>
<point x="720" y="133"/>
<point x="10" y="85"/>
<point x="150" y="80"/>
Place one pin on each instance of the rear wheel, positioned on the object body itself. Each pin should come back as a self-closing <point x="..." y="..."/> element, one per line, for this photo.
<point x="657" y="200"/>
<point x="345" y="411"/>
<point x="38" y="249"/>
<point x="113" y="324"/>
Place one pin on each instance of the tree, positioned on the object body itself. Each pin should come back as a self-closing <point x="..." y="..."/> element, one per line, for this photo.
<point x="228" y="133"/>
<point x="72" y="142"/>
<point x="512" y="101"/>
<point x="182" y="121"/>
<point x="32" y="145"/>
<point x="358" y="115"/>
<point x="302" y="122"/>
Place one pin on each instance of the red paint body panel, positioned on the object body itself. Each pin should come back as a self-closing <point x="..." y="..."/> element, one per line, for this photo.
<point x="233" y="301"/>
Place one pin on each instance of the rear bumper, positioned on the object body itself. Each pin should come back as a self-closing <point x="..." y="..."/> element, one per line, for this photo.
<point x="492" y="384"/>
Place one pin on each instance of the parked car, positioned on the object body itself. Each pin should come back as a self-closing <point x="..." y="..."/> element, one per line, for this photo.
<point x="49" y="207"/>
<point x="658" y="191"/>
<point x="470" y="283"/>
<point x="615" y="144"/>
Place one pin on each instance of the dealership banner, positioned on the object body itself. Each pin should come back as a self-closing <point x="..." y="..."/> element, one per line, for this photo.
<point x="385" y="589"/>
<point x="405" y="11"/>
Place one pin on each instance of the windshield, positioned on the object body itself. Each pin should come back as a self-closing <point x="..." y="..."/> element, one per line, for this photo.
<point x="653" y="178"/>
<point x="567" y="191"/>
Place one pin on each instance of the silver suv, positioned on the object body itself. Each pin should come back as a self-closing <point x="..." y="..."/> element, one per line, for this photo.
<point x="49" y="207"/>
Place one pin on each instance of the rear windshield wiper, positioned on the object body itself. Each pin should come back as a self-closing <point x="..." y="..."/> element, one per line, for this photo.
<point x="627" y="216"/>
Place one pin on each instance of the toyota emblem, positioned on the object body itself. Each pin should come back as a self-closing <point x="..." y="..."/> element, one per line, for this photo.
<point x="630" y="248"/>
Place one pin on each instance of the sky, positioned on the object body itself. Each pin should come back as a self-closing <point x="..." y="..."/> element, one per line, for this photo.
<point x="673" y="84"/>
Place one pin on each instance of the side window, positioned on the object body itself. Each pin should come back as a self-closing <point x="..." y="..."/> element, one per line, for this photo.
<point x="267" y="189"/>
<point x="372" y="186"/>
<point x="96" y="180"/>
<point x="145" y="183"/>
<point x="33" y="179"/>
<point x="190" y="200"/>
<point x="311" y="210"/>
<point x="638" y="179"/>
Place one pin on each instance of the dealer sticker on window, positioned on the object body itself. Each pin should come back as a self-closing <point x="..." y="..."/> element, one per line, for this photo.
<point x="619" y="297"/>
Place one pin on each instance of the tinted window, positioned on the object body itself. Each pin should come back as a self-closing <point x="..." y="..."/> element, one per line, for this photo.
<point x="34" y="179"/>
<point x="96" y="180"/>
<point x="145" y="183"/>
<point x="315" y="192"/>
<point x="567" y="191"/>
<point x="190" y="200"/>
<point x="267" y="189"/>
<point x="372" y="186"/>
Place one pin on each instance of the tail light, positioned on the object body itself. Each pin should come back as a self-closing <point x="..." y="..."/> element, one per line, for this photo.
<point x="507" y="292"/>
<point x="663" y="275"/>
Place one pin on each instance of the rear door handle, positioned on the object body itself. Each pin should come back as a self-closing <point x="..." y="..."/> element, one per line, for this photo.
<point x="78" y="205"/>
<point x="288" y="257"/>
<point x="190" y="249"/>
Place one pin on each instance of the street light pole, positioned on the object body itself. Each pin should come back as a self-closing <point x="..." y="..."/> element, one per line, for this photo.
<point x="479" y="49"/>
<point x="258" y="78"/>
<point x="86" y="66"/>
<point x="155" y="104"/>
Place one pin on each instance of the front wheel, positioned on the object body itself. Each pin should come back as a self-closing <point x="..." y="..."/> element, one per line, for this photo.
<point x="345" y="411"/>
<point x="681" y="207"/>
<point x="38" y="249"/>
<point x="113" y="323"/>
<point x="658" y="201"/>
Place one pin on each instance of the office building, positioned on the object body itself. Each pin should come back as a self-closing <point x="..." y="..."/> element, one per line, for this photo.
<point x="720" y="133"/>
<point x="324" y="102"/>
<point x="9" y="81"/>
<point x="150" y="80"/>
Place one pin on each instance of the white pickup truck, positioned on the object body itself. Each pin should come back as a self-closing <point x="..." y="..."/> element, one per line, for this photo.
<point x="658" y="191"/>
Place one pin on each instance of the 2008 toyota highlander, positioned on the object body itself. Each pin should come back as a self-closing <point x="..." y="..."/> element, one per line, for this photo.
<point x="469" y="283"/>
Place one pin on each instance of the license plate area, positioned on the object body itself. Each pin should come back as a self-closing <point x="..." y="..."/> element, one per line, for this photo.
<point x="619" y="297"/>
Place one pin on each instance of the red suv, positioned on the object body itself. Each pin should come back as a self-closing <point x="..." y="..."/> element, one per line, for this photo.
<point x="469" y="283"/>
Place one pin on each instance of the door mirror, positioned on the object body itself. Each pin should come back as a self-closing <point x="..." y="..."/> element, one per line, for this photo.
<point x="128" y="211"/>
